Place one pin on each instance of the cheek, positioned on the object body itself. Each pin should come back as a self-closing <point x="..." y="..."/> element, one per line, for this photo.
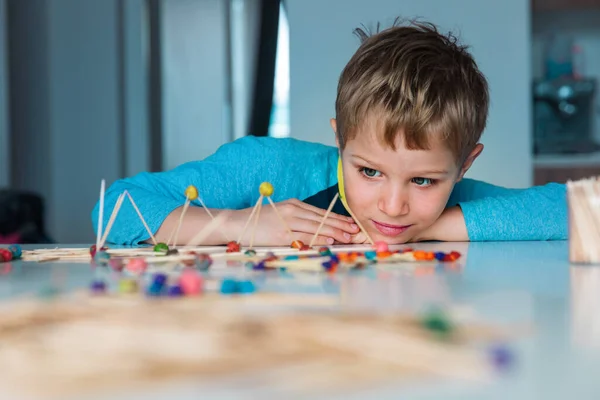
<point x="359" y="193"/>
<point x="427" y="206"/>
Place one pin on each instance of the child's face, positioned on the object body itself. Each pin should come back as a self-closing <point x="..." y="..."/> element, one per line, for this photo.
<point x="396" y="194"/>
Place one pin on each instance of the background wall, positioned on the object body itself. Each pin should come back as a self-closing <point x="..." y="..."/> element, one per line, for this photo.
<point x="321" y="42"/>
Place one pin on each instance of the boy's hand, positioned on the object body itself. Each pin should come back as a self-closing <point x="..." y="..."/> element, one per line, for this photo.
<point x="302" y="219"/>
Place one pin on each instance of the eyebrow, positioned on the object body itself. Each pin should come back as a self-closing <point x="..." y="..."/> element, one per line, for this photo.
<point x="416" y="173"/>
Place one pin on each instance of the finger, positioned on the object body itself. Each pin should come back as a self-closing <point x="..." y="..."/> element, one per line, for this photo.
<point x="320" y="241"/>
<point x="310" y="227"/>
<point x="346" y="226"/>
<point x="319" y="211"/>
<point x="359" y="238"/>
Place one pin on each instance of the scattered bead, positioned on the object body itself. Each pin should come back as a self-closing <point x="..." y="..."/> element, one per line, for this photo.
<point x="297" y="244"/>
<point x="439" y="256"/>
<point x="128" y="285"/>
<point x="158" y="284"/>
<point x="370" y="255"/>
<point x="381" y="247"/>
<point x="250" y="253"/>
<point x="191" y="193"/>
<point x="136" y="265"/>
<point x="16" y="251"/>
<point x="161" y="248"/>
<point x="98" y="287"/>
<point x="245" y="287"/>
<point x="266" y="189"/>
<point x="175" y="291"/>
<point x="304" y="247"/>
<point x="6" y="255"/>
<point x="203" y="262"/>
<point x="191" y="282"/>
<point x="324" y="251"/>
<point x="291" y="257"/>
<point x="116" y="264"/>
<point x="501" y="356"/>
<point x="228" y="286"/>
<point x="437" y="322"/>
<point x="233" y="247"/>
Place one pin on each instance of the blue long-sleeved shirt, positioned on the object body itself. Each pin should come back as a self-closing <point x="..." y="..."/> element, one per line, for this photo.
<point x="229" y="179"/>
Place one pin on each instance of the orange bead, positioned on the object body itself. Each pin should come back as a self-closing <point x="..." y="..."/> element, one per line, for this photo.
<point x="430" y="256"/>
<point x="384" y="254"/>
<point x="297" y="244"/>
<point x="420" y="255"/>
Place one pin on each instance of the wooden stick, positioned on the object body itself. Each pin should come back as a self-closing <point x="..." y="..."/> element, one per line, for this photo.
<point x="112" y="219"/>
<point x="209" y="228"/>
<point x="362" y="228"/>
<point x="141" y="218"/>
<point x="314" y="238"/>
<point x="186" y="205"/>
<point x="255" y="225"/>
<point x="100" y="213"/>
<point x="281" y="219"/>
<point x="260" y="199"/>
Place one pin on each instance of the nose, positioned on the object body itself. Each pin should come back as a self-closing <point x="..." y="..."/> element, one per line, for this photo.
<point x="393" y="201"/>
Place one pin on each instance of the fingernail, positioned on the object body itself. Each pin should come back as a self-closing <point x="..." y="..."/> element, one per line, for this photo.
<point x="354" y="226"/>
<point x="346" y="236"/>
<point x="329" y="241"/>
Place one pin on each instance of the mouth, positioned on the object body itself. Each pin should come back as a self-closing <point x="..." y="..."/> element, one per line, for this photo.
<point x="390" y="230"/>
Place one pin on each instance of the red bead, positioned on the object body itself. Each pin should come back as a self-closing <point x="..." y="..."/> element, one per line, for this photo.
<point x="6" y="254"/>
<point x="304" y="247"/>
<point x="297" y="244"/>
<point x="455" y="255"/>
<point x="233" y="247"/>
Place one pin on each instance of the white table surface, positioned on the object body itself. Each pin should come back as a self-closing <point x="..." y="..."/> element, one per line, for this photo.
<point x="510" y="281"/>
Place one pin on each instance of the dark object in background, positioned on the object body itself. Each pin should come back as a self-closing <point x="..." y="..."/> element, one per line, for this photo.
<point x="22" y="218"/>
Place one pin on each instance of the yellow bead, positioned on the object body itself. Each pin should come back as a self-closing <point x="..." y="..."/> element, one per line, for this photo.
<point x="191" y="193"/>
<point x="266" y="189"/>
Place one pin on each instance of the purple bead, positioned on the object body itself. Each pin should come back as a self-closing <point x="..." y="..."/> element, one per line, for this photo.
<point x="175" y="291"/>
<point x="159" y="279"/>
<point x="259" y="265"/>
<point x="98" y="287"/>
<point x="501" y="356"/>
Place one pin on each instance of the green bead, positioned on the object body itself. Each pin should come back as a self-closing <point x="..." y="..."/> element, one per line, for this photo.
<point x="437" y="322"/>
<point x="161" y="248"/>
<point x="250" y="253"/>
<point x="128" y="286"/>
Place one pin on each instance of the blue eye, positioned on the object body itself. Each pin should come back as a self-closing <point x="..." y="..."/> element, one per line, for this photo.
<point x="370" y="172"/>
<point x="423" y="181"/>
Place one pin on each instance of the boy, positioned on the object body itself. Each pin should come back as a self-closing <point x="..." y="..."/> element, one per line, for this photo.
<point x="410" y="110"/>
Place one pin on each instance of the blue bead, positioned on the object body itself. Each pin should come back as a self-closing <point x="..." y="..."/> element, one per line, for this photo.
<point x="228" y="286"/>
<point x="260" y="265"/>
<point x="159" y="279"/>
<point x="16" y="251"/>
<point x="245" y="287"/>
<point x="154" y="290"/>
<point x="327" y="265"/>
<point x="335" y="259"/>
<point x="370" y="255"/>
<point x="175" y="291"/>
<point x="291" y="258"/>
<point x="501" y="356"/>
<point x="439" y="256"/>
<point x="98" y="286"/>
<point x="102" y="257"/>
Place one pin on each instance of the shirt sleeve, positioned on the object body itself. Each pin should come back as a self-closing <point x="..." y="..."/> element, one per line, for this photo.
<point x="494" y="213"/>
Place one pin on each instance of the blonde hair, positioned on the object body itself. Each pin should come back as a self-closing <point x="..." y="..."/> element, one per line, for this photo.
<point x="416" y="81"/>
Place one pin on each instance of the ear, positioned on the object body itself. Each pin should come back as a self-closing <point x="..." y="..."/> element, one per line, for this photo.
<point x="469" y="161"/>
<point x="333" y="124"/>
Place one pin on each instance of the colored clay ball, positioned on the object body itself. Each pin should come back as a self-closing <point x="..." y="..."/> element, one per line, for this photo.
<point x="161" y="248"/>
<point x="101" y="257"/>
<point x="98" y="287"/>
<point x="136" y="265"/>
<point x="116" y="264"/>
<point x="246" y="287"/>
<point x="128" y="286"/>
<point x="233" y="247"/>
<point x="324" y="251"/>
<point x="439" y="256"/>
<point x="203" y="262"/>
<point x="370" y="255"/>
<point x="6" y="255"/>
<point x="228" y="286"/>
<point x="437" y="322"/>
<point x="381" y="247"/>
<point x="266" y="189"/>
<point x="250" y="253"/>
<point x="191" y="193"/>
<point x="191" y="282"/>
<point x="16" y="251"/>
<point x="157" y="285"/>
<point x="304" y="247"/>
<point x="297" y="244"/>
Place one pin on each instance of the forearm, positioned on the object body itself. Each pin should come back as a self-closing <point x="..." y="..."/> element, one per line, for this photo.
<point x="449" y="227"/>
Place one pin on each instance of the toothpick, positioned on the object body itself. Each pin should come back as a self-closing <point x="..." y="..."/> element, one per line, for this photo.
<point x="141" y="218"/>
<point x="281" y="218"/>
<point x="208" y="229"/>
<point x="112" y="219"/>
<point x="185" y="208"/>
<point x="100" y="213"/>
<point x="260" y="199"/>
<point x="314" y="238"/>
<point x="255" y="225"/>
<point x="211" y="216"/>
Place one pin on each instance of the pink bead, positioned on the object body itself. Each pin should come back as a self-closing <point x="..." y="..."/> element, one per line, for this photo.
<point x="137" y="265"/>
<point x="191" y="282"/>
<point x="381" y="247"/>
